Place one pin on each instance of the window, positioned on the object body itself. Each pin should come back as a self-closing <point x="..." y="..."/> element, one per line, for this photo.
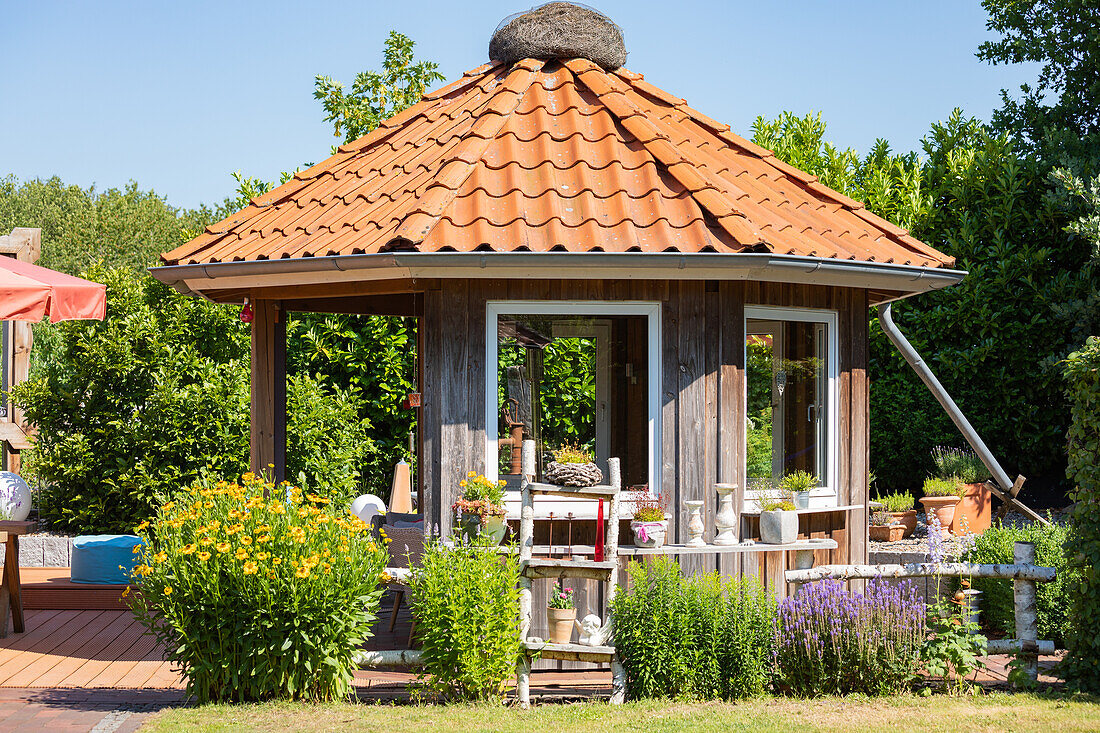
<point x="790" y="366"/>
<point x="577" y="373"/>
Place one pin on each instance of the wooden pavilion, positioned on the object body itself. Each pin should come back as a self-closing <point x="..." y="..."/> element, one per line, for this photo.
<point x="724" y="293"/>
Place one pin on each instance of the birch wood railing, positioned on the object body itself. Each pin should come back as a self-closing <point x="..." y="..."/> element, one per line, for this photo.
<point x="1023" y="573"/>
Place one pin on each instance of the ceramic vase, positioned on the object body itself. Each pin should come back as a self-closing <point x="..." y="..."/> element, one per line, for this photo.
<point x="695" y="525"/>
<point x="725" y="521"/>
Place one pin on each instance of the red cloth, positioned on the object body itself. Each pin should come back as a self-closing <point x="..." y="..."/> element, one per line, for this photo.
<point x="30" y="293"/>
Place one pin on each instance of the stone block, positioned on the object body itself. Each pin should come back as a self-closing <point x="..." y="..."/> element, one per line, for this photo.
<point x="30" y="551"/>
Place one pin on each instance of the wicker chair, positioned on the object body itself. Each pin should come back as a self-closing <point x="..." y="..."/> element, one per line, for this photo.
<point x="406" y="547"/>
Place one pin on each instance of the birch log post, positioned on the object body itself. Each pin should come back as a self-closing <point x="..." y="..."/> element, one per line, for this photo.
<point x="391" y="658"/>
<point x="526" y="550"/>
<point x="1023" y="596"/>
<point x="611" y="543"/>
<point x="1016" y="572"/>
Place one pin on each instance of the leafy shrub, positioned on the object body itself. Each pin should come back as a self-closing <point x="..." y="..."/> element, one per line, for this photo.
<point x="831" y="641"/>
<point x="572" y="454"/>
<point x="259" y="591"/>
<point x="961" y="464"/>
<point x="997" y="610"/>
<point x="1082" y="664"/>
<point x="699" y="637"/>
<point x="466" y="603"/>
<point x="797" y="481"/>
<point x="155" y="396"/>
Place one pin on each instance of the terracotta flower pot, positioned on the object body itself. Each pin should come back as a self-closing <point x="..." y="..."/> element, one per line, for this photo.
<point x="561" y="624"/>
<point x="975" y="508"/>
<point x="886" y="533"/>
<point x="944" y="509"/>
<point x="908" y="520"/>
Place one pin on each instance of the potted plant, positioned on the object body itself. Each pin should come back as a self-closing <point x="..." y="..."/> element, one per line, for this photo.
<point x="941" y="496"/>
<point x="883" y="528"/>
<point x="797" y="485"/>
<point x="778" y="519"/>
<point x="974" y="510"/>
<point x="649" y="523"/>
<point x="900" y="506"/>
<point x="572" y="466"/>
<point x="561" y="612"/>
<point x="480" y="511"/>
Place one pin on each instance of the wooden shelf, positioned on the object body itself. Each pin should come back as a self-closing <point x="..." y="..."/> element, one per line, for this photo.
<point x="573" y="492"/>
<point x="542" y="567"/>
<point x="812" y="510"/>
<point x="569" y="652"/>
<point x="821" y="544"/>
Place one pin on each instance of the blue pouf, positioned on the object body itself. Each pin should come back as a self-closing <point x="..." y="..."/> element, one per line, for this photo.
<point x="97" y="558"/>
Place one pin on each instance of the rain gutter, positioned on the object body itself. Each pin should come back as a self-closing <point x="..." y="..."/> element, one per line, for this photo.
<point x="905" y="279"/>
<point x="897" y="338"/>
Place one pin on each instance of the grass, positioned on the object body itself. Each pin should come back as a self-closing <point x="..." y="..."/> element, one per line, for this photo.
<point x="993" y="712"/>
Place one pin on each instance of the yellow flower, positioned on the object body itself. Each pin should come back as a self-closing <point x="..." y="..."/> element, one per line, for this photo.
<point x="277" y="508"/>
<point x="302" y="572"/>
<point x="385" y="578"/>
<point x="246" y="540"/>
<point x="142" y="569"/>
<point x="276" y="561"/>
<point x="204" y="555"/>
<point x="141" y="526"/>
<point x="233" y="529"/>
<point x="160" y="557"/>
<point x="206" y="541"/>
<point x="169" y="507"/>
<point x="167" y="590"/>
<point x="265" y="539"/>
<point x="261" y="556"/>
<point x="137" y="549"/>
<point x="188" y="549"/>
<point x="250" y="567"/>
<point x="241" y="553"/>
<point x="263" y="528"/>
<point x="462" y="483"/>
<point x="471" y="474"/>
<point x="125" y="592"/>
<point x="222" y="547"/>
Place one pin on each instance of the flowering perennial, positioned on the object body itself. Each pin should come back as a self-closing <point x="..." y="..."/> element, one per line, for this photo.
<point x="258" y="592"/>
<point x="831" y="641"/>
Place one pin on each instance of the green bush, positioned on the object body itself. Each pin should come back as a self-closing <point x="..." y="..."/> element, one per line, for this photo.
<point x="466" y="603"/>
<point x="997" y="612"/>
<point x="156" y="395"/>
<point x="257" y="593"/>
<point x="699" y="637"/>
<point x="1082" y="663"/>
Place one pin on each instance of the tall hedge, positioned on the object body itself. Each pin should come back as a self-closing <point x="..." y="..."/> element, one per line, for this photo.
<point x="1082" y="370"/>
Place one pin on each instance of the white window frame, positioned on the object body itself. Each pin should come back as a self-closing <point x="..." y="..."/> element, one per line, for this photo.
<point x="826" y="495"/>
<point x="582" y="509"/>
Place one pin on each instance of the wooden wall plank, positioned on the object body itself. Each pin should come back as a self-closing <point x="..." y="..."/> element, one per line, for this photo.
<point x="691" y="412"/>
<point x="712" y="343"/>
<point x="431" y="358"/>
<point x="859" y="435"/>
<point x="455" y="416"/>
<point x="670" y="381"/>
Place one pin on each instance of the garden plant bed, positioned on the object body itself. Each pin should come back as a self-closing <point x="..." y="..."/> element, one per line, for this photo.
<point x="1019" y="712"/>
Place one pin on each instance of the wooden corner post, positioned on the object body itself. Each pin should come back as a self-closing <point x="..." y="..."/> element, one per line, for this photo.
<point x="268" y="417"/>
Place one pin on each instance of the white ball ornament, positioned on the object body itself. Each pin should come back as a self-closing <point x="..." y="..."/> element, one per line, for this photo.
<point x="15" y="497"/>
<point x="367" y="506"/>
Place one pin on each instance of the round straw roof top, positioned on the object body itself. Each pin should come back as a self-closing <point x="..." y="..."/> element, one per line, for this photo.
<point x="559" y="30"/>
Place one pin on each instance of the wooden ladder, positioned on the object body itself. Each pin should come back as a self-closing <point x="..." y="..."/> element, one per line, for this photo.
<point x="531" y="568"/>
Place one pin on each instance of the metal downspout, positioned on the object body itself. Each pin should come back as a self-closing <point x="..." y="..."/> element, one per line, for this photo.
<point x="897" y="338"/>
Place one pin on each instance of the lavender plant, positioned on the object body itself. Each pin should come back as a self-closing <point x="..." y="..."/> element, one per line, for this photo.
<point x="831" y="641"/>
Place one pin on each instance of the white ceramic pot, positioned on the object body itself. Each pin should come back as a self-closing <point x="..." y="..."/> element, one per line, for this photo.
<point x="649" y="534"/>
<point x="778" y="527"/>
<point x="15" y="497"/>
<point x="802" y="500"/>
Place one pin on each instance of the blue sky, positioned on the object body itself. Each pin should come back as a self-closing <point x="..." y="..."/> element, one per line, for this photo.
<point x="178" y="95"/>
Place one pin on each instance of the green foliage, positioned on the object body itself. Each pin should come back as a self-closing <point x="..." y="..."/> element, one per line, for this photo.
<point x="700" y="637"/>
<point x="1063" y="36"/>
<point x="997" y="612"/>
<point x="466" y="603"/>
<point x="572" y="454"/>
<point x="82" y="228"/>
<point x="155" y="396"/>
<point x="376" y="96"/>
<point x="898" y="501"/>
<point x="257" y="591"/>
<point x="953" y="646"/>
<point x="561" y="596"/>
<point x="965" y="465"/>
<point x="1022" y="307"/>
<point x="798" y="481"/>
<point x="935" y="486"/>
<point x="1082" y="663"/>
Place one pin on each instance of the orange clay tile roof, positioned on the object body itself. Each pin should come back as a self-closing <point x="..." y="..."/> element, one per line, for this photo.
<point x="553" y="156"/>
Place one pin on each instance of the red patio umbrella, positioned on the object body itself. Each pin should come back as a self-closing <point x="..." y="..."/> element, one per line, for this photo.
<point x="29" y="292"/>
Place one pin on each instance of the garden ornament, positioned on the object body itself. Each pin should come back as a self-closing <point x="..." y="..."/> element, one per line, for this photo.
<point x="591" y="630"/>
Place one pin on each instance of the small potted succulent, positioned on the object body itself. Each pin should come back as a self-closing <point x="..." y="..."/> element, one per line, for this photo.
<point x="480" y="511"/>
<point x="561" y="612"/>
<point x="900" y="506"/>
<point x="941" y="496"/>
<point x="649" y="523"/>
<point x="572" y="466"/>
<point x="797" y="485"/>
<point x="778" y="519"/>
<point x="883" y="528"/>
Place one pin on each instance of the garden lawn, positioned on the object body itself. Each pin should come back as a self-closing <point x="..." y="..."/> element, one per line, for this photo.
<point x="994" y="712"/>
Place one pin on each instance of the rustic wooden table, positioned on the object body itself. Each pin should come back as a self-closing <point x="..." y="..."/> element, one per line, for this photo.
<point x="10" y="597"/>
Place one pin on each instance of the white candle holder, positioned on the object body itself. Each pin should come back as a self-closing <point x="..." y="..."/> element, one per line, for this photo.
<point x="695" y="525"/>
<point x="725" y="521"/>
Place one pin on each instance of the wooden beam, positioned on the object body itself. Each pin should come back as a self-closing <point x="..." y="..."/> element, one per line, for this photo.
<point x="268" y="415"/>
<point x="398" y="304"/>
<point x="324" y="290"/>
